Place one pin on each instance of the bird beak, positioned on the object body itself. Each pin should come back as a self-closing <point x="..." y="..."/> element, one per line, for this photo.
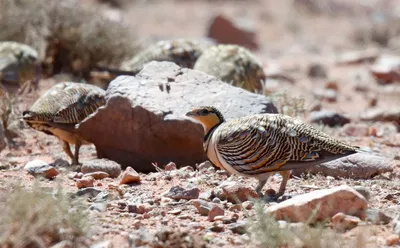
<point x="190" y="113"/>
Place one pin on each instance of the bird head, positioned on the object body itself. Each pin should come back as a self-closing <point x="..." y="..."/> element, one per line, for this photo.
<point x="208" y="116"/>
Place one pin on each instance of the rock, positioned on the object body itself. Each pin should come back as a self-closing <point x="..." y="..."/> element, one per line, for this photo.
<point x="129" y="176"/>
<point x="357" y="57"/>
<point x="396" y="226"/>
<point x="355" y="129"/>
<point x="325" y="94"/>
<point x="63" y="244"/>
<point x="392" y="240"/>
<point x="217" y="227"/>
<point x="215" y="211"/>
<point x="204" y="166"/>
<point x="356" y="166"/>
<point x="170" y="166"/>
<point x="235" y="192"/>
<point x="178" y="193"/>
<point x="248" y="205"/>
<point x="157" y="99"/>
<point x="239" y="227"/>
<point x="97" y="175"/>
<point x="139" y="208"/>
<point x="320" y="205"/>
<point x="386" y="69"/>
<point x="362" y="190"/>
<point x="98" y="206"/>
<point x="85" y="182"/>
<point x="377" y="114"/>
<point x="224" y="31"/>
<point x="317" y="71"/>
<point x="202" y="207"/>
<point x="376" y="217"/>
<point x="329" y="118"/>
<point x="110" y="167"/>
<point x="40" y="168"/>
<point x="342" y="222"/>
<point x="89" y="191"/>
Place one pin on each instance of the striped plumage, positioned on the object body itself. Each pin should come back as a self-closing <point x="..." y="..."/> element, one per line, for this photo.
<point x="260" y="145"/>
<point x="62" y="107"/>
<point x="232" y="64"/>
<point x="183" y="52"/>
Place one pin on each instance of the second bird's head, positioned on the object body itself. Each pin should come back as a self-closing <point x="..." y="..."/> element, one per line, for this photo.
<point x="208" y="116"/>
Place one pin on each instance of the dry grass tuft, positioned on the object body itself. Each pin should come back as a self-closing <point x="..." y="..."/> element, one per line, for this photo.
<point x="288" y="105"/>
<point x="74" y="38"/>
<point x="35" y="218"/>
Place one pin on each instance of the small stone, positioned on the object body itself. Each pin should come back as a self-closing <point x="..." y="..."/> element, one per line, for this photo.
<point x="98" y="175"/>
<point x="376" y="217"/>
<point x="320" y="205"/>
<point x="332" y="84"/>
<point x="248" y="205"/>
<point x="102" y="244"/>
<point x="215" y="211"/>
<point x="129" y="176"/>
<point x="216" y="200"/>
<point x="40" y="168"/>
<point x="329" y="118"/>
<point x="170" y="166"/>
<point x="363" y="191"/>
<point x="203" y="207"/>
<point x="178" y="193"/>
<point x="342" y="222"/>
<point x="98" y="206"/>
<point x="217" y="227"/>
<point x="325" y="94"/>
<point x="317" y="71"/>
<point x="85" y="182"/>
<point x="386" y="69"/>
<point x="239" y="227"/>
<point x="139" y="208"/>
<point x="89" y="191"/>
<point x="235" y="207"/>
<point x="393" y="240"/>
<point x="381" y="114"/>
<point x="175" y="211"/>
<point x="396" y="226"/>
<point x="64" y="244"/>
<point x="235" y="192"/>
<point x="205" y="166"/>
<point x="112" y="168"/>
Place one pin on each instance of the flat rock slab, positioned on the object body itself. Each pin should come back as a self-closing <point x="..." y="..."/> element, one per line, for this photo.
<point x="144" y="118"/>
<point x="320" y="205"/>
<point x="356" y="166"/>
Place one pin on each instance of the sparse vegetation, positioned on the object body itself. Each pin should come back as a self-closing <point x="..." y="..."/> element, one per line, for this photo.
<point x="288" y="105"/>
<point x="70" y="37"/>
<point x="35" y="218"/>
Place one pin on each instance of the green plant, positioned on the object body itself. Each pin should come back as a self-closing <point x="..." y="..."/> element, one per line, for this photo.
<point x="35" y="218"/>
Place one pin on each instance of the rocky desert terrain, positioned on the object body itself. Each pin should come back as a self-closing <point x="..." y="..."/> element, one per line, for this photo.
<point x="145" y="180"/>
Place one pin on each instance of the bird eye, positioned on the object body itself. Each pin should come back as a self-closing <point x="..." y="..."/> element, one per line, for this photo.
<point x="203" y="112"/>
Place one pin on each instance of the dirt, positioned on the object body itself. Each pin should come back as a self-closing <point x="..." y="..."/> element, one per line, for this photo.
<point x="290" y="40"/>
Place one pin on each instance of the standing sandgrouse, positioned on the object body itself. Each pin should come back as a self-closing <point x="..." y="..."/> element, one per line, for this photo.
<point x="232" y="64"/>
<point x="260" y="145"/>
<point x="62" y="107"/>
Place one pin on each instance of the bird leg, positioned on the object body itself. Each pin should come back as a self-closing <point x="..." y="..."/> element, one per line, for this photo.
<point x="67" y="150"/>
<point x="75" y="160"/>
<point x="285" y="177"/>
<point x="259" y="187"/>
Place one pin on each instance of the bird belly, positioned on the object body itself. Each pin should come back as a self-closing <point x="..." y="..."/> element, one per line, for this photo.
<point x="67" y="136"/>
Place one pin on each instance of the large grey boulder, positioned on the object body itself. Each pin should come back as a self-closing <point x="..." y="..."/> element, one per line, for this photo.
<point x="144" y="118"/>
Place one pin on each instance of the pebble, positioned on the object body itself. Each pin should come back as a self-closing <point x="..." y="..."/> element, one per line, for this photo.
<point x="89" y="191"/>
<point x="217" y="227"/>
<point x="98" y="175"/>
<point x="235" y="192"/>
<point x="317" y="70"/>
<point x="376" y="217"/>
<point x="178" y="193"/>
<point x="325" y="94"/>
<point x="329" y="118"/>
<point x="248" y="205"/>
<point x="98" y="206"/>
<point x="175" y="211"/>
<point x="202" y="207"/>
<point x="205" y="166"/>
<point x="112" y="168"/>
<point x="40" y="168"/>
<point x="129" y="176"/>
<point x="139" y="208"/>
<point x="342" y="222"/>
<point x="393" y="240"/>
<point x="215" y="211"/>
<point x="170" y="166"/>
<point x="239" y="227"/>
<point x="85" y="182"/>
